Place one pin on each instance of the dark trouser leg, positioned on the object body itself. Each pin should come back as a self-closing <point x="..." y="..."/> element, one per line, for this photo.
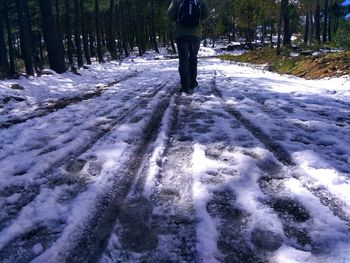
<point x="183" y="48"/>
<point x="193" y="60"/>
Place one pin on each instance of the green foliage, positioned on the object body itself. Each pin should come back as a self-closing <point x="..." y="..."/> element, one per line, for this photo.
<point x="142" y="21"/>
<point x="328" y="65"/>
<point x="343" y="35"/>
<point x="285" y="65"/>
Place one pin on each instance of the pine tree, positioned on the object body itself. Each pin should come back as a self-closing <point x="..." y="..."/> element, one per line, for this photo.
<point x="98" y="32"/>
<point x="51" y="37"/>
<point x="112" y="47"/>
<point x="286" y="26"/>
<point x="325" y="21"/>
<point x="77" y="39"/>
<point x="4" y="66"/>
<point x="68" y="32"/>
<point x="309" y="38"/>
<point x="58" y="24"/>
<point x="153" y="28"/>
<point x="318" y="22"/>
<point x="123" y="26"/>
<point x="25" y="35"/>
<point x="12" y="68"/>
<point x="84" y="33"/>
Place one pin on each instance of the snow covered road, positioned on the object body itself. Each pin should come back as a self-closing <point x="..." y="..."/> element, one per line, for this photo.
<point x="253" y="167"/>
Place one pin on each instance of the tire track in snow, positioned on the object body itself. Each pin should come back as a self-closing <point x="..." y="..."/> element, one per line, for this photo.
<point x="73" y="164"/>
<point x="305" y="118"/>
<point x="219" y="170"/>
<point x="50" y="107"/>
<point x="157" y="220"/>
<point x="87" y="244"/>
<point x="292" y="213"/>
<point x="325" y="196"/>
<point x="280" y="153"/>
<point x="97" y="133"/>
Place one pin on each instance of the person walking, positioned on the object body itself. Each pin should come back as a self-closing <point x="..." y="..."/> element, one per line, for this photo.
<point x="188" y="16"/>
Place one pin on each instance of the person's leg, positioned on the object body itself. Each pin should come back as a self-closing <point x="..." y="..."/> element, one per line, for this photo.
<point x="193" y="60"/>
<point x="184" y="71"/>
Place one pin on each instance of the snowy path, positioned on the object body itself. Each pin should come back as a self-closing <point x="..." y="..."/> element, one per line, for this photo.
<point x="49" y="106"/>
<point x="254" y="167"/>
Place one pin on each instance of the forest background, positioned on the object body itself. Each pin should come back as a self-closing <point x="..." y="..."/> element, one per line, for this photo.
<point x="59" y="34"/>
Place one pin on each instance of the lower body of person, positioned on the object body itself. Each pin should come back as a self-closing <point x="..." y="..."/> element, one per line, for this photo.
<point x="188" y="47"/>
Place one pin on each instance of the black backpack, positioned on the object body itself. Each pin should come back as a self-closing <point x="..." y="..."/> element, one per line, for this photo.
<point x="189" y="14"/>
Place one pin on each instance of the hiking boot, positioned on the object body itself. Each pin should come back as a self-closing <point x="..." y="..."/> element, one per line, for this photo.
<point x="184" y="89"/>
<point x="190" y="91"/>
<point x="194" y="85"/>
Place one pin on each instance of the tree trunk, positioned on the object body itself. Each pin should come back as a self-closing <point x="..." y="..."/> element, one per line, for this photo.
<point x="172" y="39"/>
<point x="325" y="22"/>
<point x="248" y="33"/>
<point x="233" y="29"/>
<point x="132" y="25"/>
<point x="41" y="49"/>
<point x="318" y="22"/>
<point x="58" y="24"/>
<point x="140" y="33"/>
<point x="137" y="25"/>
<point x="84" y="33"/>
<point x="98" y="32"/>
<point x="37" y="58"/>
<point x="102" y="34"/>
<point x="77" y="39"/>
<point x="18" y="45"/>
<point x="263" y="30"/>
<point x="92" y="44"/>
<point x="286" y="26"/>
<point x="69" y="34"/>
<point x="228" y="31"/>
<point x="153" y="28"/>
<point x="25" y="35"/>
<point x="278" y="51"/>
<point x="52" y="40"/>
<point x="306" y="33"/>
<point x="330" y="21"/>
<point x="4" y="66"/>
<point x="336" y="24"/>
<point x="12" y="68"/>
<point x="309" y="38"/>
<point x="248" y="36"/>
<point x="112" y="46"/>
<point x="123" y="30"/>
<point x="330" y="29"/>
<point x="271" y="33"/>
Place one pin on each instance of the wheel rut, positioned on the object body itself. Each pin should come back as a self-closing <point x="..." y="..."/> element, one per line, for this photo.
<point x="48" y="108"/>
<point x="283" y="156"/>
<point x="159" y="209"/>
<point x="280" y="153"/>
<point x="88" y="245"/>
<point x="68" y="169"/>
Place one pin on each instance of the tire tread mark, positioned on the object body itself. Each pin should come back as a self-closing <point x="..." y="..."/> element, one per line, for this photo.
<point x="279" y="152"/>
<point x="325" y="197"/>
<point x="88" y="244"/>
<point x="61" y="104"/>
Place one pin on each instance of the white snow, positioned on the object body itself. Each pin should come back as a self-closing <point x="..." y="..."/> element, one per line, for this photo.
<point x="159" y="147"/>
<point x="38" y="248"/>
<point x="206" y="51"/>
<point x="287" y="254"/>
<point x="13" y="198"/>
<point x="309" y="119"/>
<point x="206" y="229"/>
